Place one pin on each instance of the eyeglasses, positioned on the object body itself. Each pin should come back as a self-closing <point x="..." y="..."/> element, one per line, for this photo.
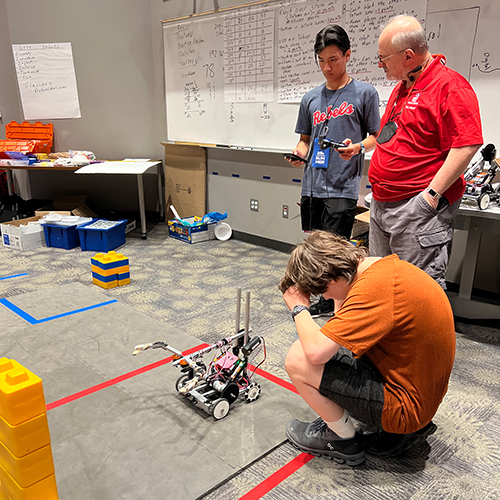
<point x="381" y="59"/>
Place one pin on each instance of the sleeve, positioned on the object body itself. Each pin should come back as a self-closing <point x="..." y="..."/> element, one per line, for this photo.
<point x="372" y="114"/>
<point x="461" y="122"/>
<point x="366" y="316"/>
<point x="303" y="125"/>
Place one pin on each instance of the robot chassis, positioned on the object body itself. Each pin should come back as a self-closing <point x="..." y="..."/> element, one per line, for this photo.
<point x="479" y="179"/>
<point x="217" y="386"/>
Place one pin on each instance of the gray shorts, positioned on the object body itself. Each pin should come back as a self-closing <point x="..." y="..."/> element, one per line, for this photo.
<point x="356" y="385"/>
<point x="414" y="231"/>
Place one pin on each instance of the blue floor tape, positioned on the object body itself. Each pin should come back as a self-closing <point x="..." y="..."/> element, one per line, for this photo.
<point x="14" y="276"/>
<point x="30" y="319"/>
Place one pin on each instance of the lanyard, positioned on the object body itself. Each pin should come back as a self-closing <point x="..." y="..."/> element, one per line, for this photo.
<point x="324" y="131"/>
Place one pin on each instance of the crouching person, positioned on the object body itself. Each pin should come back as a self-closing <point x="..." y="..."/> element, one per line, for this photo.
<point x="385" y="358"/>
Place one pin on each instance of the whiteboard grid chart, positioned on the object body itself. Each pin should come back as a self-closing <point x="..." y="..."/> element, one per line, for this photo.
<point x="249" y="55"/>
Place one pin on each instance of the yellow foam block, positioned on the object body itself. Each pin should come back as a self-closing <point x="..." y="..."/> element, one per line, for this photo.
<point x="102" y="284"/>
<point x="126" y="281"/>
<point x="29" y="469"/>
<point x="46" y="489"/>
<point x="111" y="272"/>
<point x="26" y="437"/>
<point x="21" y="393"/>
<point x="107" y="258"/>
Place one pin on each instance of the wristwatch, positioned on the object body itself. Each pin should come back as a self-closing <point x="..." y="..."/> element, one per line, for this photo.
<point x="432" y="193"/>
<point x="362" y="149"/>
<point x="298" y="309"/>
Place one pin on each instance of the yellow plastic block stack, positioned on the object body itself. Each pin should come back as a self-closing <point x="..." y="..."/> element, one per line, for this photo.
<point x="26" y="463"/>
<point x="110" y="270"/>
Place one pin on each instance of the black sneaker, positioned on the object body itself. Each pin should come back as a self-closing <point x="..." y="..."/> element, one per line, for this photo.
<point x="318" y="439"/>
<point x="324" y="307"/>
<point x="386" y="444"/>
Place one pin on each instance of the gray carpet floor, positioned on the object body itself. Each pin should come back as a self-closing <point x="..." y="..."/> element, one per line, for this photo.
<point x="193" y="288"/>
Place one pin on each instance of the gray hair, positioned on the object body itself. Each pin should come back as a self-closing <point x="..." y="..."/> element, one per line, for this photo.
<point x="411" y="35"/>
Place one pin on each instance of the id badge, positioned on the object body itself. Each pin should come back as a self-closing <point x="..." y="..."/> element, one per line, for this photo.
<point x="387" y="132"/>
<point x="320" y="157"/>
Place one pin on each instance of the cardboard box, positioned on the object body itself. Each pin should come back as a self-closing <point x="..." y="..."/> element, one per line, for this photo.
<point x="191" y="234"/>
<point x="67" y="205"/>
<point x="361" y="222"/>
<point x="21" y="236"/>
<point x="185" y="180"/>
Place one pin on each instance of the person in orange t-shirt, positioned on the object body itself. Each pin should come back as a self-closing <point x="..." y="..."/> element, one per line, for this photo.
<point x="385" y="358"/>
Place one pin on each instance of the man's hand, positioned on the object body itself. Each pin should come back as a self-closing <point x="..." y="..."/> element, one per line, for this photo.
<point x="293" y="297"/>
<point x="433" y="202"/>
<point x="296" y="163"/>
<point x="349" y="151"/>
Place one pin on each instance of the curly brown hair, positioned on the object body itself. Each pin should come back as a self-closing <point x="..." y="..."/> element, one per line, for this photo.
<point x="318" y="260"/>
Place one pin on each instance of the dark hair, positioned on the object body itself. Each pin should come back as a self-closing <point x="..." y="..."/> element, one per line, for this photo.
<point x="318" y="260"/>
<point x="332" y="35"/>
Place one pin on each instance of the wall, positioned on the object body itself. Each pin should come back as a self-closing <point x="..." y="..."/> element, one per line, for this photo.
<point x="10" y="107"/>
<point x="112" y="51"/>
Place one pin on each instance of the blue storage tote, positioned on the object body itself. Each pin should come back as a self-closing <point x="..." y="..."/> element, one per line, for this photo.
<point x="61" y="236"/>
<point x="93" y="236"/>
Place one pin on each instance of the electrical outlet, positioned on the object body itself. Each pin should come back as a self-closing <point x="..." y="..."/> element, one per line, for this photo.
<point x="254" y="205"/>
<point x="285" y="212"/>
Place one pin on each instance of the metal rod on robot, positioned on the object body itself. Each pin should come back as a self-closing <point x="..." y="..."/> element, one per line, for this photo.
<point x="217" y="345"/>
<point x="238" y="309"/>
<point x="247" y="319"/>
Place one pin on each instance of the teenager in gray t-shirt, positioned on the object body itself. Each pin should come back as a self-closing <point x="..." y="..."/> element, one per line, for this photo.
<point x="350" y="112"/>
<point x="344" y="111"/>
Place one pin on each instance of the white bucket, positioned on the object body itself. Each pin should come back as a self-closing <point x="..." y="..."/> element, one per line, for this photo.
<point x="223" y="231"/>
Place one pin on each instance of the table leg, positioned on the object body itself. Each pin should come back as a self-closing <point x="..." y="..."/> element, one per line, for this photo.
<point x="161" y="190"/>
<point x="142" y="206"/>
<point x="9" y="181"/>
<point x="470" y="258"/>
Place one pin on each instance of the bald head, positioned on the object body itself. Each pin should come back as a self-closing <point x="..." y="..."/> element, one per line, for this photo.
<point x="405" y="32"/>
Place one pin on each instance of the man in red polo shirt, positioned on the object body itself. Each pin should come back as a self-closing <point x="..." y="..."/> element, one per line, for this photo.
<point x="430" y="131"/>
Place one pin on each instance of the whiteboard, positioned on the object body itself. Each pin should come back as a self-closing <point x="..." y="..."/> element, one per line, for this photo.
<point x="235" y="77"/>
<point x="465" y="32"/>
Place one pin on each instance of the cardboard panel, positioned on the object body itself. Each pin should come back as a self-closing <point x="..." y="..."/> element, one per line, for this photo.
<point x="185" y="180"/>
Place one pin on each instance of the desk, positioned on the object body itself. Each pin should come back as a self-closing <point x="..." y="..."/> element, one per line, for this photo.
<point x="8" y="169"/>
<point x="138" y="168"/>
<point x="475" y="222"/>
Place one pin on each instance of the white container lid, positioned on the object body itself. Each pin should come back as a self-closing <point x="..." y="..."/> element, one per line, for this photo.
<point x="223" y="231"/>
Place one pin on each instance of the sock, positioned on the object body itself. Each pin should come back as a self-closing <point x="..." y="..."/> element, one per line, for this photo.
<point x="343" y="427"/>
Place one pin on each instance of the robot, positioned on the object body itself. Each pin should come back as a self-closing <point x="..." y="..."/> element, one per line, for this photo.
<point x="216" y="385"/>
<point x="479" y="179"/>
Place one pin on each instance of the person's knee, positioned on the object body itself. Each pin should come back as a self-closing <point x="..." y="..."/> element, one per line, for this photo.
<point x="295" y="358"/>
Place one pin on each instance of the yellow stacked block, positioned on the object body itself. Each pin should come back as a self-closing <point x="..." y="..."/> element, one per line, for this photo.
<point x="31" y="468"/>
<point x="46" y="489"/>
<point x="21" y="393"/>
<point x="26" y="437"/>
<point x="110" y="270"/>
<point x="26" y="462"/>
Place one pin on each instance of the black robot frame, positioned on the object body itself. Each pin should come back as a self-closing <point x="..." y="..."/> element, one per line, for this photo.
<point x="216" y="385"/>
<point x="479" y="179"/>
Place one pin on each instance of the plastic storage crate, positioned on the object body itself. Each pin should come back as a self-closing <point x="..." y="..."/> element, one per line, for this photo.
<point x="97" y="237"/>
<point x="21" y="146"/>
<point x="39" y="134"/>
<point x="61" y="236"/>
